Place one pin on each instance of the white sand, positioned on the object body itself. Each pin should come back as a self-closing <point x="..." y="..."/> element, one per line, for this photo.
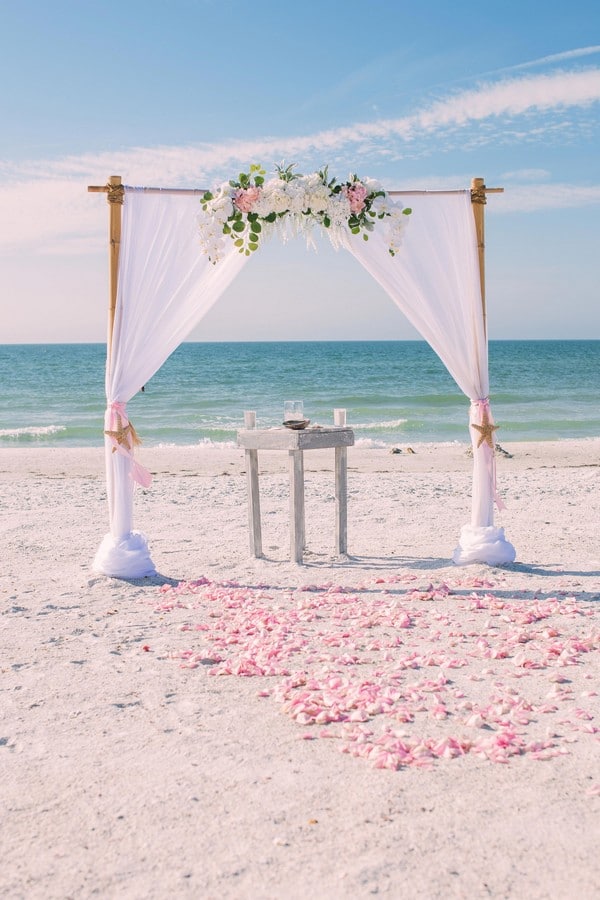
<point x="126" y="775"/>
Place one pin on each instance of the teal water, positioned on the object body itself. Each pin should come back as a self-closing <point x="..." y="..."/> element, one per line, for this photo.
<point x="394" y="391"/>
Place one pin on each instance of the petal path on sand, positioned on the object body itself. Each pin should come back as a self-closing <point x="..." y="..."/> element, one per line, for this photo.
<point x="384" y="671"/>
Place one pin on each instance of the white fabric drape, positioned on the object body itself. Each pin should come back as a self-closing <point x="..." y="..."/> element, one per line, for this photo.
<point x="166" y="284"/>
<point x="435" y="282"/>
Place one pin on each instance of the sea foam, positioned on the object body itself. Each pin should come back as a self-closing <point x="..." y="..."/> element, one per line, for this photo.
<point x="31" y="432"/>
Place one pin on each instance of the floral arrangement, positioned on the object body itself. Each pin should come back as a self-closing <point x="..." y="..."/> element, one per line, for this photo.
<point x="249" y="208"/>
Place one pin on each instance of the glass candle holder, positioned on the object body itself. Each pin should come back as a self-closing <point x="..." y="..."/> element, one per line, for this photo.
<point x="293" y="411"/>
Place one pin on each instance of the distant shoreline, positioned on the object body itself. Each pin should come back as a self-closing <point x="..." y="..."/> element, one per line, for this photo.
<point x="22" y="462"/>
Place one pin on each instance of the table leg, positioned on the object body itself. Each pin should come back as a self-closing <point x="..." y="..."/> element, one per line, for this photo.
<point x="253" y="502"/>
<point x="341" y="500"/>
<point x="296" y="505"/>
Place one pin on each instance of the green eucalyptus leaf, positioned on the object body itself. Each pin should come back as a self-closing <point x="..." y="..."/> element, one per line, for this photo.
<point x="253" y="237"/>
<point x="406" y="211"/>
<point x="238" y="226"/>
<point x="253" y="246"/>
<point x="239" y="242"/>
<point x="256" y="227"/>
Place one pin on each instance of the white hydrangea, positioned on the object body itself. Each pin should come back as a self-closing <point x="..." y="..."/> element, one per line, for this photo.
<point x="296" y="193"/>
<point x="274" y="198"/>
<point x="317" y="198"/>
<point x="338" y="210"/>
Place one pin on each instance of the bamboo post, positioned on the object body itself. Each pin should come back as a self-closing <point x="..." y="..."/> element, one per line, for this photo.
<point x="478" y="200"/>
<point x="115" y="197"/>
<point x="115" y="194"/>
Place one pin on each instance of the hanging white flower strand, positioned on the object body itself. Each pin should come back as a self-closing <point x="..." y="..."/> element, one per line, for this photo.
<point x="249" y="208"/>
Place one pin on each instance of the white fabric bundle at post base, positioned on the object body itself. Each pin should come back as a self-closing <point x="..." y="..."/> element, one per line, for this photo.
<point x="483" y="544"/>
<point x="125" y="557"/>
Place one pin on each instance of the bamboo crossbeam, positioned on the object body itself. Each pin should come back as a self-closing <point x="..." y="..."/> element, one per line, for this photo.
<point x="104" y="188"/>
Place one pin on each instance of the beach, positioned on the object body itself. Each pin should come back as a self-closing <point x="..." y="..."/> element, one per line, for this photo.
<point x="386" y="724"/>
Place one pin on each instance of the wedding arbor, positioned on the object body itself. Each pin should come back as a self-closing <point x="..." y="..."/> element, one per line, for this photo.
<point x="166" y="272"/>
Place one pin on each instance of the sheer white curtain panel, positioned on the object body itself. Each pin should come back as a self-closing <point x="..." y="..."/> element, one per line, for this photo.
<point x="165" y="286"/>
<point x="434" y="280"/>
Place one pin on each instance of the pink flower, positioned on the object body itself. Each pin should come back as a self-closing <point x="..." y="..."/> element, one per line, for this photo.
<point x="356" y="194"/>
<point x="245" y="198"/>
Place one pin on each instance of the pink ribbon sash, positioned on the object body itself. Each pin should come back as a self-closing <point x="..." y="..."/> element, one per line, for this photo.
<point x="121" y="434"/>
<point x="482" y="436"/>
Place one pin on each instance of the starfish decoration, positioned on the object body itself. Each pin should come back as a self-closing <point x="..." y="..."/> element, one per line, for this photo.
<point x="121" y="435"/>
<point x="486" y="431"/>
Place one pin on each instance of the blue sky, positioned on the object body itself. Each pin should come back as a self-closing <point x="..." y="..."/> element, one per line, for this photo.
<point x="185" y="93"/>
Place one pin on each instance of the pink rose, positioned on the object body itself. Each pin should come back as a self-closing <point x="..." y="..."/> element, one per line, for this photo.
<point x="356" y="194"/>
<point x="245" y="198"/>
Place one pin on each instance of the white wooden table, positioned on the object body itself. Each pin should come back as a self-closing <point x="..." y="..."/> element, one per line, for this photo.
<point x="296" y="442"/>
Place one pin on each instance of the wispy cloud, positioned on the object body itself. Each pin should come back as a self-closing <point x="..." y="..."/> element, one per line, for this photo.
<point x="493" y="103"/>
<point x="505" y="99"/>
<point x="45" y="202"/>
<point x="565" y="56"/>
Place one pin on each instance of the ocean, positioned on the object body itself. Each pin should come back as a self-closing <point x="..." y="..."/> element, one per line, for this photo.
<point x="395" y="392"/>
